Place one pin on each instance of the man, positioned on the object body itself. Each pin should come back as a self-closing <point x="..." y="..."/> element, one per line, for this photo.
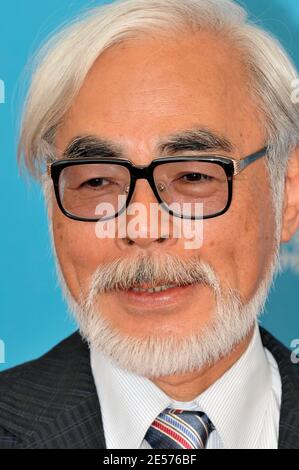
<point x="187" y="105"/>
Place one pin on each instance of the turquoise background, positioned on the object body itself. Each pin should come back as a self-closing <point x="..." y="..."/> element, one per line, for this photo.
<point x="33" y="316"/>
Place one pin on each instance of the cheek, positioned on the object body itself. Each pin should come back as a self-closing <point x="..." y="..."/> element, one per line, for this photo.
<point x="79" y="251"/>
<point x="239" y="244"/>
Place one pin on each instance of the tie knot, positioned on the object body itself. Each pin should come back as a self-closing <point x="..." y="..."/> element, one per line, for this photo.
<point x="178" y="429"/>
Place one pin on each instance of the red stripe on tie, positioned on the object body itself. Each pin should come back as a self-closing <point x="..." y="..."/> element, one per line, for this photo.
<point x="174" y="435"/>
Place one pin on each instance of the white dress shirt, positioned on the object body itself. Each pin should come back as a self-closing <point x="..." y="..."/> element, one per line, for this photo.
<point x="243" y="404"/>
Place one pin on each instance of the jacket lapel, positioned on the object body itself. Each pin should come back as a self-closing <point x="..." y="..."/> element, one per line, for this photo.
<point x="52" y="402"/>
<point x="78" y="420"/>
<point x="289" y="412"/>
<point x="62" y="405"/>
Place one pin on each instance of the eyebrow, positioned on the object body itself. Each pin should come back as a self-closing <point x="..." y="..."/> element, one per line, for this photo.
<point x="194" y="139"/>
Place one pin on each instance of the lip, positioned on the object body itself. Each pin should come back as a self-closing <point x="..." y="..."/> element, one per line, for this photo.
<point x="156" y="300"/>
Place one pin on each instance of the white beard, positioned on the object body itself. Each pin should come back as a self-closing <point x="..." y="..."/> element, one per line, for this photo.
<point x="156" y="356"/>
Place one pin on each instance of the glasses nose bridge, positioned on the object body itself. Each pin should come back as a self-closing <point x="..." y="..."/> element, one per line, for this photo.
<point x="140" y="171"/>
<point x="143" y="172"/>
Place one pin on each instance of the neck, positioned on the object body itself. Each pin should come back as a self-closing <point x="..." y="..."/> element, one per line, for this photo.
<point x="188" y="386"/>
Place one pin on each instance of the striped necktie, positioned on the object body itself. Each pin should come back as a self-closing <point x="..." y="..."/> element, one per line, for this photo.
<point x="178" y="429"/>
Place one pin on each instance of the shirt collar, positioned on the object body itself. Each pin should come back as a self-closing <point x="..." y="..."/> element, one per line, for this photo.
<point x="129" y="403"/>
<point x="235" y="403"/>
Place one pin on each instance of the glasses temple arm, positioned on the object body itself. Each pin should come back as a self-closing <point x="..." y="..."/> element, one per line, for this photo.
<point x="240" y="165"/>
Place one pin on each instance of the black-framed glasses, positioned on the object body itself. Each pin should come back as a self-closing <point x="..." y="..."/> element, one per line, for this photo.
<point x="93" y="189"/>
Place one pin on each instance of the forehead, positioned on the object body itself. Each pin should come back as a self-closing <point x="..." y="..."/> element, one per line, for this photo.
<point x="141" y="90"/>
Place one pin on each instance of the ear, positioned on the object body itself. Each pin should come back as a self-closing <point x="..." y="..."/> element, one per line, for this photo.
<point x="291" y="200"/>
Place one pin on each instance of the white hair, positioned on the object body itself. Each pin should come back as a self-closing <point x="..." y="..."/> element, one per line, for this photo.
<point x="64" y="61"/>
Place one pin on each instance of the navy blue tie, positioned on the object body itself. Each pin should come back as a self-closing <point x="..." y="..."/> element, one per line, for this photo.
<point x="178" y="429"/>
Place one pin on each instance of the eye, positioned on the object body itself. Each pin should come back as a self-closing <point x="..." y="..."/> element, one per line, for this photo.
<point x="95" y="183"/>
<point x="196" y="177"/>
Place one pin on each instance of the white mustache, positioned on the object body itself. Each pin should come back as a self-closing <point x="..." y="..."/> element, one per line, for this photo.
<point x="125" y="273"/>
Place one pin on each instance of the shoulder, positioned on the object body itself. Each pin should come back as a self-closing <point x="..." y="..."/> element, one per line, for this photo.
<point x="44" y="368"/>
<point x="289" y="371"/>
<point x="37" y="392"/>
<point x="281" y="353"/>
<point x="289" y="374"/>
<point x="276" y="347"/>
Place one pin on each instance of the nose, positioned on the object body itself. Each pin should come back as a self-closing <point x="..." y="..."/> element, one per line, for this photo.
<point x="146" y="224"/>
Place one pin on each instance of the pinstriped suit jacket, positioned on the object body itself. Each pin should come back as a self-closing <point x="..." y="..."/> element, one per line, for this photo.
<point x="52" y="403"/>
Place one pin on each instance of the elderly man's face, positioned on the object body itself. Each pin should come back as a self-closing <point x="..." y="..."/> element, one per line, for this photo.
<point x="136" y="94"/>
